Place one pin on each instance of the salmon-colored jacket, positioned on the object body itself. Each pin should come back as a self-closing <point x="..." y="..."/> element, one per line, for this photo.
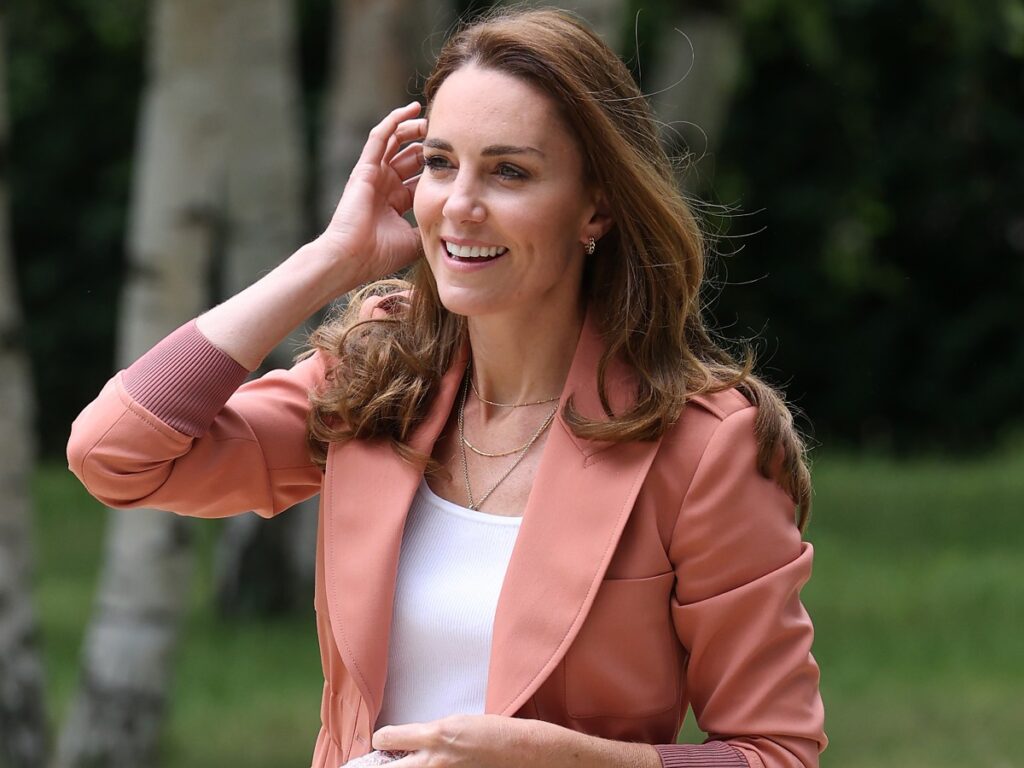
<point x="646" y="576"/>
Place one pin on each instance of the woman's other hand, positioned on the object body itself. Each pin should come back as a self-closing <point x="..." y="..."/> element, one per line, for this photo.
<point x="493" y="741"/>
<point x="368" y="228"/>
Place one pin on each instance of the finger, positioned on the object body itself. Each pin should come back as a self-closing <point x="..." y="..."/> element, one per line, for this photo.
<point x="389" y="151"/>
<point x="409" y="161"/>
<point x="377" y="141"/>
<point x="408" y="737"/>
<point x="400" y="199"/>
<point x="410" y="130"/>
<point x="411" y="185"/>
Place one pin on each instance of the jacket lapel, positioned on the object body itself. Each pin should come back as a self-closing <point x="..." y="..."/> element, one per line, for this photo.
<point x="581" y="499"/>
<point x="368" y="490"/>
<point x="579" y="505"/>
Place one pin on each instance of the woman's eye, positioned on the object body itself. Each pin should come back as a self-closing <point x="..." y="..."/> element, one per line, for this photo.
<point x="436" y="163"/>
<point x="441" y="164"/>
<point x="510" y="172"/>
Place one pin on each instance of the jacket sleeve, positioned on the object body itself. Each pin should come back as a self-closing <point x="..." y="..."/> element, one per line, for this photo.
<point x="176" y="431"/>
<point x="740" y="564"/>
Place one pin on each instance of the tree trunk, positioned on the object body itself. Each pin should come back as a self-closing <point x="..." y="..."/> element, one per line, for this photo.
<point x="22" y="714"/>
<point x="380" y="52"/>
<point x="265" y="168"/>
<point x="693" y="89"/>
<point x="126" y="666"/>
<point x="269" y="565"/>
<point x="264" y="566"/>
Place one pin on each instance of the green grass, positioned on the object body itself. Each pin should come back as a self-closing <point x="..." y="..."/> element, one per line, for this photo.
<point x="245" y="692"/>
<point x="917" y="599"/>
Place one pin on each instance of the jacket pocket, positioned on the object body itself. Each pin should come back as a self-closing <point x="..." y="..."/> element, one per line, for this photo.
<point x="626" y="659"/>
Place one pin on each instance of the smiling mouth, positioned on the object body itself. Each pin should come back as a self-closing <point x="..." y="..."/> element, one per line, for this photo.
<point x="474" y="253"/>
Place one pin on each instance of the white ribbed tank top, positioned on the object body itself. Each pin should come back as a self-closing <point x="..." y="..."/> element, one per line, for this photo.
<point x="450" y="571"/>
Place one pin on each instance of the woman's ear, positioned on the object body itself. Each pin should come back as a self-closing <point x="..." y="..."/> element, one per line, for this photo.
<point x="601" y="220"/>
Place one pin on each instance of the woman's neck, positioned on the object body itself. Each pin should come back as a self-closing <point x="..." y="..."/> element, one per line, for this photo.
<point x="525" y="359"/>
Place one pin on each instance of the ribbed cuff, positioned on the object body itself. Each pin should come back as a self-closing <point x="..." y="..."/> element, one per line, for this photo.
<point x="713" y="754"/>
<point x="184" y="380"/>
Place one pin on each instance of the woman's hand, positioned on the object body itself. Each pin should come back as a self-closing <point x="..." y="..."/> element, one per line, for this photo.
<point x="493" y="741"/>
<point x="367" y="228"/>
<point x="367" y="238"/>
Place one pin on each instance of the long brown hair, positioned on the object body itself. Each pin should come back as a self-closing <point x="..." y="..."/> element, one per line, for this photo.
<point x="643" y="283"/>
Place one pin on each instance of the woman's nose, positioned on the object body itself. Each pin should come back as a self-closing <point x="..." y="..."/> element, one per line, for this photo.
<point x="464" y="203"/>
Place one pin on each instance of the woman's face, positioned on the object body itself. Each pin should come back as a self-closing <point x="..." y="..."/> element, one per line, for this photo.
<point x="502" y="206"/>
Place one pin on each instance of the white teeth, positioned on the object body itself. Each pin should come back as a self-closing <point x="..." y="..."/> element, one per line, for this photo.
<point x="475" y="251"/>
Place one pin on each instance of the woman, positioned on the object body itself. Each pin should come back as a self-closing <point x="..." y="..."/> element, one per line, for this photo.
<point x="554" y="513"/>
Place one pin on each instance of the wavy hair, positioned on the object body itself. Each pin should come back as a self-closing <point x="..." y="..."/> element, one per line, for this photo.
<point x="643" y="283"/>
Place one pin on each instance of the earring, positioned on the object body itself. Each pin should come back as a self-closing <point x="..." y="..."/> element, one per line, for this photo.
<point x="590" y="247"/>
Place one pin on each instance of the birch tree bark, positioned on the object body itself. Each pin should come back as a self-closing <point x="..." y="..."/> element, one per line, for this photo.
<point x="379" y="50"/>
<point x="693" y="88"/>
<point x="380" y="53"/>
<point x="268" y="565"/>
<point x="126" y="666"/>
<point x="22" y="715"/>
<point x="263" y="566"/>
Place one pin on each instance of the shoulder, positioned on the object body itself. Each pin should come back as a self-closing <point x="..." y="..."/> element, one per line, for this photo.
<point x="701" y="418"/>
<point x="695" y="437"/>
<point x="721" y="404"/>
<point x="707" y="465"/>
<point x="730" y="516"/>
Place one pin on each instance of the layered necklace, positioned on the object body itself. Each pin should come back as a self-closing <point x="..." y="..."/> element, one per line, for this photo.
<point x="520" y="452"/>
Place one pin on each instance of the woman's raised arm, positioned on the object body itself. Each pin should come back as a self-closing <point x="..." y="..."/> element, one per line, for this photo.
<point x="171" y="431"/>
<point x="367" y="238"/>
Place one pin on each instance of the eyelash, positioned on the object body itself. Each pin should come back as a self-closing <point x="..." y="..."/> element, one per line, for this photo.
<point x="440" y="163"/>
<point x="511" y="172"/>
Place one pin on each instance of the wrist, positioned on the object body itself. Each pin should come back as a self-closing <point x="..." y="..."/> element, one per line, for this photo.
<point x="623" y="754"/>
<point x="644" y="756"/>
<point x="580" y="749"/>
<point x="331" y="265"/>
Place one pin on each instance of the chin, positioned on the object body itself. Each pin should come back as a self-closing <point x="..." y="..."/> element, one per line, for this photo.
<point x="465" y="303"/>
<point x="464" y="308"/>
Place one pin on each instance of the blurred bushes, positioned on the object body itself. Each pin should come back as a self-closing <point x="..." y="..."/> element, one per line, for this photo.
<point x="76" y="71"/>
<point x="881" y="145"/>
<point x="874" y="151"/>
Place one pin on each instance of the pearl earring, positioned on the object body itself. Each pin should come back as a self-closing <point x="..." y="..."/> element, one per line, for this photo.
<point x="590" y="247"/>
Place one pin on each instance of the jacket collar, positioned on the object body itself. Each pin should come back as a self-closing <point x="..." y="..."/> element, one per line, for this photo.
<point x="583" y="493"/>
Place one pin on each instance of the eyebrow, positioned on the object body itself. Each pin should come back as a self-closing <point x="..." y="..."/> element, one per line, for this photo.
<point x="489" y="151"/>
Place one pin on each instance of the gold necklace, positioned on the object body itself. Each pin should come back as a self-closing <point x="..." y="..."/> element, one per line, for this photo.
<point x="525" y="446"/>
<point x="506" y="405"/>
<point x="473" y="504"/>
<point x="485" y="454"/>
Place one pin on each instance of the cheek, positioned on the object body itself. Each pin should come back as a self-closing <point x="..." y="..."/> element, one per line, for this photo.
<point x="417" y="202"/>
<point x="425" y="203"/>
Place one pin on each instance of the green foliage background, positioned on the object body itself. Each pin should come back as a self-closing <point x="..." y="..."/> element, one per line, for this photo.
<point x="873" y="160"/>
<point x="883" y="141"/>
